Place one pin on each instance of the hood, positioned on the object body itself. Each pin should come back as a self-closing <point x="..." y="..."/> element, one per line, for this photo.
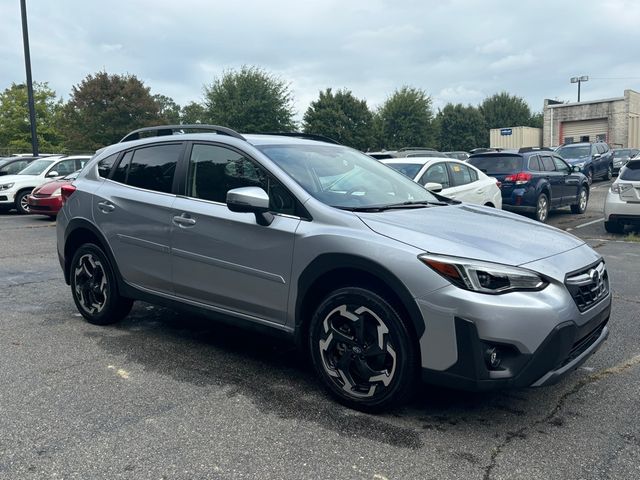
<point x="469" y="231"/>
<point x="50" y="186"/>
<point x="17" y="179"/>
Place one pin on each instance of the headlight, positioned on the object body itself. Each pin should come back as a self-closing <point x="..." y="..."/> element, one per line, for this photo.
<point x="580" y="164"/>
<point x="6" y="186"/>
<point x="483" y="277"/>
<point x="57" y="193"/>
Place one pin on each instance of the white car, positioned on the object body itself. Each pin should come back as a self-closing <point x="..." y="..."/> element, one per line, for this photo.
<point x="452" y="178"/>
<point x="622" y="205"/>
<point x="14" y="189"/>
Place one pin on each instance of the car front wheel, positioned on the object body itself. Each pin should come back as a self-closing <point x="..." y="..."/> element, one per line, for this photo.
<point x="94" y="288"/>
<point x="609" y="175"/>
<point x="583" y="200"/>
<point x="22" y="202"/>
<point x="542" y="208"/>
<point x="362" y="350"/>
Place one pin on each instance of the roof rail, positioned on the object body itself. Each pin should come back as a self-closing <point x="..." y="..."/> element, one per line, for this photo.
<point x="162" y="130"/>
<point x="404" y="149"/>
<point x="308" y="136"/>
<point x="534" y="149"/>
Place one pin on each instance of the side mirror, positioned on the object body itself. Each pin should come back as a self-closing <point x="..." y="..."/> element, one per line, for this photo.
<point x="250" y="200"/>
<point x="52" y="174"/>
<point x="433" y="187"/>
<point x="596" y="155"/>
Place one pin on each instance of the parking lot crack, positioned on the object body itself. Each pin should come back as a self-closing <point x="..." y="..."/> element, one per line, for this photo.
<point x="550" y="417"/>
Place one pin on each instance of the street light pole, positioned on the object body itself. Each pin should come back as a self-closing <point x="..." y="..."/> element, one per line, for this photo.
<point x="27" y="64"/>
<point x="579" y="80"/>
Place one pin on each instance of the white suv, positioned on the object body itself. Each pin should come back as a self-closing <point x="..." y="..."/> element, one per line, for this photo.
<point x="622" y="205"/>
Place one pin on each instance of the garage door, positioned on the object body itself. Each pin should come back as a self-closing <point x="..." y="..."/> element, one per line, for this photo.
<point x="585" y="131"/>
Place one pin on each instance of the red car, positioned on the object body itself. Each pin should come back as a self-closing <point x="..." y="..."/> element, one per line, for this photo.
<point x="46" y="199"/>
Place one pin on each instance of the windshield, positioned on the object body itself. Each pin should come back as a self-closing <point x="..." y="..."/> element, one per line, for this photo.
<point x="408" y="169"/>
<point x="36" y="167"/>
<point x="583" y="151"/>
<point x="624" y="153"/>
<point x="345" y="178"/>
<point x="497" y="164"/>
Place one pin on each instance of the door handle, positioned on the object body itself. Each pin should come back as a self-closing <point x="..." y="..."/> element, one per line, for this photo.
<point x="106" y="207"/>
<point x="184" y="220"/>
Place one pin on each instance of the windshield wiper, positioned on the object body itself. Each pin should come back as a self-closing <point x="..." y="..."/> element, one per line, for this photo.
<point x="394" y="206"/>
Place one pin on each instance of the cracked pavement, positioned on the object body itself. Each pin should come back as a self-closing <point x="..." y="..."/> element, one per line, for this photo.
<point x="167" y="396"/>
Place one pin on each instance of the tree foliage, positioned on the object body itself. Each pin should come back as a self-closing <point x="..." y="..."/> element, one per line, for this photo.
<point x="15" y="126"/>
<point x="405" y="119"/>
<point x="168" y="110"/>
<point x="103" y="108"/>
<point x="193" y="113"/>
<point x="340" y="116"/>
<point x="250" y="100"/>
<point x="461" y="128"/>
<point x="504" y="110"/>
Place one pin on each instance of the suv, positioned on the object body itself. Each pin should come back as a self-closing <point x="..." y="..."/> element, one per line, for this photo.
<point x="593" y="159"/>
<point x="379" y="280"/>
<point x="535" y="180"/>
<point x="621" y="156"/>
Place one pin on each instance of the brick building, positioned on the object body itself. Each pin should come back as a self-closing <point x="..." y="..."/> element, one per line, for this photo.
<point x="612" y="120"/>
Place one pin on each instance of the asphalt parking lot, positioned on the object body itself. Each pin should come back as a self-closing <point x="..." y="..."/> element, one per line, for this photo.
<point x="166" y="396"/>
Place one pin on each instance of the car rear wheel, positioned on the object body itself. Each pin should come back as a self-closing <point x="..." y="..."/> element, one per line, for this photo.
<point x="94" y="288"/>
<point x="614" y="227"/>
<point x="22" y="202"/>
<point x="362" y="351"/>
<point x="583" y="200"/>
<point x="542" y="208"/>
<point x="590" y="176"/>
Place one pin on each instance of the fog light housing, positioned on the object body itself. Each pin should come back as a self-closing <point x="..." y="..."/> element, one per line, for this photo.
<point x="492" y="358"/>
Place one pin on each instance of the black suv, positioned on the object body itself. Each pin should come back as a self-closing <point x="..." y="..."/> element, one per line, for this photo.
<point x="535" y="180"/>
<point x="594" y="159"/>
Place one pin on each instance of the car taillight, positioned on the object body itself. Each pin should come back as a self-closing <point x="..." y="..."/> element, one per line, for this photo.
<point x="66" y="191"/>
<point x="519" y="178"/>
<point x="499" y="183"/>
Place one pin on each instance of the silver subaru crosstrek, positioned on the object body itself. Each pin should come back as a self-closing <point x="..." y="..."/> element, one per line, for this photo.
<point x="379" y="280"/>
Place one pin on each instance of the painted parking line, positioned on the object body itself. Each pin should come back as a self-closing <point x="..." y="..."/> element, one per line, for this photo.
<point x="585" y="224"/>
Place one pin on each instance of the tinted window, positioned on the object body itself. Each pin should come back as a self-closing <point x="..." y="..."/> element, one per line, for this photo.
<point x="460" y="174"/>
<point x="14" y="167"/>
<point x="120" y="173"/>
<point x="547" y="163"/>
<point x="65" y="167"/>
<point x="601" y="148"/>
<point x="497" y="164"/>
<point x="409" y="169"/>
<point x="624" y="153"/>
<point x="214" y="170"/>
<point x="436" y="174"/>
<point x="631" y="171"/>
<point x="534" y="163"/>
<point x="106" y="164"/>
<point x="574" y="152"/>
<point x="561" y="166"/>
<point x="152" y="168"/>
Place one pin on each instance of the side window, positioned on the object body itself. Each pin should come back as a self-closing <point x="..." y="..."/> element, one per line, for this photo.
<point x="214" y="170"/>
<point x="436" y="174"/>
<point x="547" y="163"/>
<point x="65" y="167"/>
<point x="459" y="174"/>
<point x="600" y="149"/>
<point x="534" y="163"/>
<point x="106" y="164"/>
<point x="15" y="167"/>
<point x="561" y="166"/>
<point x="120" y="173"/>
<point x="152" y="168"/>
<point x="473" y="173"/>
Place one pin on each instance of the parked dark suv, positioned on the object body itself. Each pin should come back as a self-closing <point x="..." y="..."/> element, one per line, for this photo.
<point x="535" y="180"/>
<point x="594" y="159"/>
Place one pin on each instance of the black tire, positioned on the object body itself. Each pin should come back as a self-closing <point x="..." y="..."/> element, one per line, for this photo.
<point x="609" y="174"/>
<point x="583" y="201"/>
<point x="542" y="208"/>
<point x="94" y="287"/>
<point x="21" y="202"/>
<point x="614" y="227"/>
<point x="590" y="176"/>
<point x="345" y="335"/>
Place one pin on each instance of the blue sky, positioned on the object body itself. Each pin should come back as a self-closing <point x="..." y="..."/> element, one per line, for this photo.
<point x="456" y="50"/>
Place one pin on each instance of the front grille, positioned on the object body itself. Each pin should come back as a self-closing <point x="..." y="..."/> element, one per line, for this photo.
<point x="40" y="207"/>
<point x="40" y="195"/>
<point x="585" y="342"/>
<point x="588" y="286"/>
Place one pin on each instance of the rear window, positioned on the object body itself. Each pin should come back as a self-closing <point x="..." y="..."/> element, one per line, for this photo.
<point x="496" y="164"/>
<point x="631" y="171"/>
<point x="408" y="169"/>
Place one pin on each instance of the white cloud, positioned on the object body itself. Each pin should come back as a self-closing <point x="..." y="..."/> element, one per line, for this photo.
<point x="499" y="45"/>
<point x="511" y="62"/>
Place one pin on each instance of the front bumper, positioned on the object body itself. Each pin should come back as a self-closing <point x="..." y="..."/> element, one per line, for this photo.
<point x="7" y="197"/>
<point x="44" y="205"/>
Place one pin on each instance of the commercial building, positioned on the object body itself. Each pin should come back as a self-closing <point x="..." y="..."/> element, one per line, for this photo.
<point x="612" y="120"/>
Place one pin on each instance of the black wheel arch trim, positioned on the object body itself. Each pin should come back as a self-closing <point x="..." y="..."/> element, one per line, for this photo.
<point x="328" y="262"/>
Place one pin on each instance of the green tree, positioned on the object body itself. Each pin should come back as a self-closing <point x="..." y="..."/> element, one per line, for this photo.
<point x="504" y="110"/>
<point x="103" y="108"/>
<point x="340" y="116"/>
<point x="168" y="110"/>
<point x="193" y="113"/>
<point x="15" y="127"/>
<point x="536" y="120"/>
<point x="405" y="119"/>
<point x="250" y="100"/>
<point x="461" y="128"/>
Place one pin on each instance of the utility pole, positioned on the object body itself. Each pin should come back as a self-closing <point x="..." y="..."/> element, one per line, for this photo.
<point x="27" y="64"/>
<point x="579" y="80"/>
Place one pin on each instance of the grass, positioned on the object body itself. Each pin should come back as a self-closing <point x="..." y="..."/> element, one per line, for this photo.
<point x="632" y="237"/>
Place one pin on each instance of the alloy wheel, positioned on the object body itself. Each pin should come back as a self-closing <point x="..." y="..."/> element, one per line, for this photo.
<point x="543" y="208"/>
<point x="583" y="200"/>
<point x="24" y="203"/>
<point x="90" y="283"/>
<point x="356" y="351"/>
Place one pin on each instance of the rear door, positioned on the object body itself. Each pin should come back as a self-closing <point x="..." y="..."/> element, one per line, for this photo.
<point x="572" y="181"/>
<point x="629" y="182"/>
<point x="133" y="210"/>
<point x="465" y="185"/>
